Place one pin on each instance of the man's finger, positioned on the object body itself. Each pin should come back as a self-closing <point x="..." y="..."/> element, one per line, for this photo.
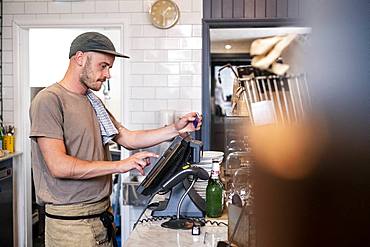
<point x="140" y="169"/>
<point x="141" y="162"/>
<point x="146" y="154"/>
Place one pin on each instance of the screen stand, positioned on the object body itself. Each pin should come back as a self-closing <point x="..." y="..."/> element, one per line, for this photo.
<point x="192" y="205"/>
<point x="180" y="223"/>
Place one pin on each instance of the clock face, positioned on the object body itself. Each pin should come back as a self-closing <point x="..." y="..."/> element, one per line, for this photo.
<point x="164" y="13"/>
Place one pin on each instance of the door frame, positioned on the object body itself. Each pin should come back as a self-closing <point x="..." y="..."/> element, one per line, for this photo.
<point x="22" y="163"/>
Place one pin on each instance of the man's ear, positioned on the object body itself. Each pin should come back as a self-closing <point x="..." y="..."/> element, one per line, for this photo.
<point x="78" y="57"/>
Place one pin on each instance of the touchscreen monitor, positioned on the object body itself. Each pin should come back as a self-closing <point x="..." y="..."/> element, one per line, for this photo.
<point x="166" y="167"/>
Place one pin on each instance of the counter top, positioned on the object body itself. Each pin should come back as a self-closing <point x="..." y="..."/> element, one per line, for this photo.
<point x="150" y="233"/>
<point x="9" y="156"/>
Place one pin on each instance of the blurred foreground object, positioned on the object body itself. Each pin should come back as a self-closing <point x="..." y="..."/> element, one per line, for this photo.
<point x="288" y="151"/>
<point x="309" y="198"/>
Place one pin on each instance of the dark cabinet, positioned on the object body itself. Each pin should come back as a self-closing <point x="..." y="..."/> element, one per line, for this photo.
<point x="6" y="202"/>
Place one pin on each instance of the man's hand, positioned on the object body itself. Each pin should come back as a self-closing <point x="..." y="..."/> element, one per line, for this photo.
<point x="189" y="123"/>
<point x="136" y="161"/>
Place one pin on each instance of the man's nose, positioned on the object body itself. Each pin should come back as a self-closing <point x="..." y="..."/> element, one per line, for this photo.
<point x="107" y="74"/>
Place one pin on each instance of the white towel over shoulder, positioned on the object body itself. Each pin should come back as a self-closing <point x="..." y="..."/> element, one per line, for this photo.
<point x="107" y="128"/>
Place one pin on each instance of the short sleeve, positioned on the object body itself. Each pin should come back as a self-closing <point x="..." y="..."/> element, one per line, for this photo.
<point x="46" y="116"/>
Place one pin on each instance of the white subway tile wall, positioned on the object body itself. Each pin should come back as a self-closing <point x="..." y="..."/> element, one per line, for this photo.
<point x="167" y="43"/>
<point x="167" y="92"/>
<point x="190" y="93"/>
<point x="142" y="68"/>
<point x="143" y="117"/>
<point x="179" y="31"/>
<point x="155" y="80"/>
<point x="136" y="105"/>
<point x="165" y="65"/>
<point x="131" y="6"/>
<point x="179" y="55"/>
<point x="155" y="55"/>
<point x="179" y="80"/>
<point x="59" y="7"/>
<point x="135" y="80"/>
<point x="197" y="31"/>
<point x="167" y="68"/>
<point x="83" y="7"/>
<point x="7" y="80"/>
<point x="107" y="6"/>
<point x="142" y="93"/>
<point x="155" y="105"/>
<point x="36" y="7"/>
<point x="190" y="68"/>
<point x="183" y="105"/>
<point x="142" y="43"/>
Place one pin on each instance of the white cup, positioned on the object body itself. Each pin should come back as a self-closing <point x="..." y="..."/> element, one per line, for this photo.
<point x="166" y="117"/>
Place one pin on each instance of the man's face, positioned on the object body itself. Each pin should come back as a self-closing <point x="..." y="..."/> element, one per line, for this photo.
<point x="96" y="70"/>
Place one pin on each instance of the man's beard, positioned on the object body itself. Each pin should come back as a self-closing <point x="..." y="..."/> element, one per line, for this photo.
<point x="85" y="77"/>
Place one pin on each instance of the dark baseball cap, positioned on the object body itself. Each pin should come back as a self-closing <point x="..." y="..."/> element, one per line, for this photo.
<point x="93" y="41"/>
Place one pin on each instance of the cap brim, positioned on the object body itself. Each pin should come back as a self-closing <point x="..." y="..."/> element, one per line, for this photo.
<point x="110" y="52"/>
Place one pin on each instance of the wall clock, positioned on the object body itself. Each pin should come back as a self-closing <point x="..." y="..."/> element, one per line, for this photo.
<point x="164" y="14"/>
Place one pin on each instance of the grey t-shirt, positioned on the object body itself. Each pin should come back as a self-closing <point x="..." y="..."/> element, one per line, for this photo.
<point x="58" y="113"/>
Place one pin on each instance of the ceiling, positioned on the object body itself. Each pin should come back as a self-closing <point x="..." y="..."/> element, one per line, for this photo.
<point x="243" y="34"/>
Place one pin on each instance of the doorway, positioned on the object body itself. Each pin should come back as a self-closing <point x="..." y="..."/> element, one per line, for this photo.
<point x="38" y="41"/>
<point x="235" y="31"/>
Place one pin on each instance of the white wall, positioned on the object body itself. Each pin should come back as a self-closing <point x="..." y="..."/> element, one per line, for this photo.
<point x="165" y="65"/>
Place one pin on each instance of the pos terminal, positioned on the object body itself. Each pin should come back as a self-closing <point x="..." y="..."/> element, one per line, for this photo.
<point x="174" y="176"/>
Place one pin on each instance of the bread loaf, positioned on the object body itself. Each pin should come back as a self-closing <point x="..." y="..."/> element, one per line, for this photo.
<point x="264" y="61"/>
<point x="263" y="46"/>
<point x="279" y="68"/>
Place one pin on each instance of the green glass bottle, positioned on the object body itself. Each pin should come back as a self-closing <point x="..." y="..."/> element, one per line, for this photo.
<point x="214" y="193"/>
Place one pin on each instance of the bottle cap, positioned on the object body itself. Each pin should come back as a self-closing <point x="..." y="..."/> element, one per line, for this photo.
<point x="215" y="166"/>
<point x="215" y="169"/>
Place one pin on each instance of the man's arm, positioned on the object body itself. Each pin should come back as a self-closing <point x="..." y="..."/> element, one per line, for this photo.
<point x="147" y="138"/>
<point x="62" y="165"/>
<point x="144" y="138"/>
